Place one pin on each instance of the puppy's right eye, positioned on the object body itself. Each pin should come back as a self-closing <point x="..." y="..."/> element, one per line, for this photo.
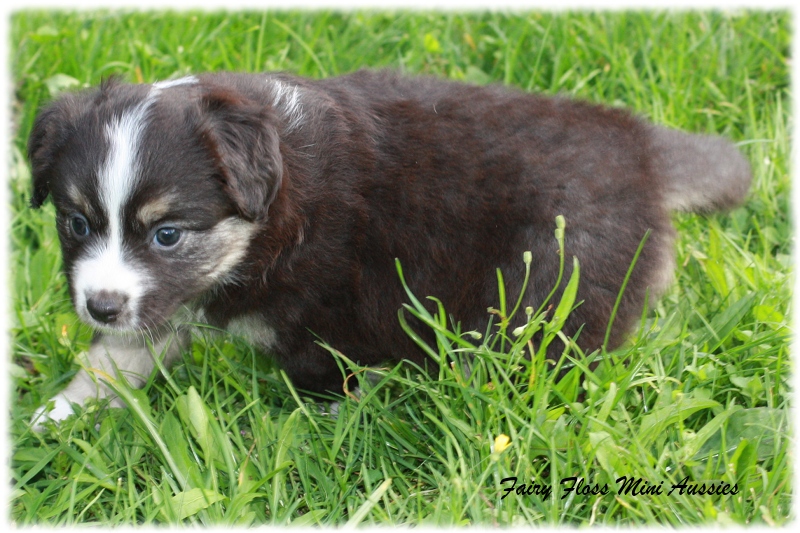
<point x="167" y="237"/>
<point x="79" y="226"/>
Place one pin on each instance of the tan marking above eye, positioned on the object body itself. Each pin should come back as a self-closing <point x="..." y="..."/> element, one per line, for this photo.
<point x="153" y="210"/>
<point x="78" y="199"/>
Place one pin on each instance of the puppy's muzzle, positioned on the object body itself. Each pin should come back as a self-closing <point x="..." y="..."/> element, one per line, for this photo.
<point x="106" y="306"/>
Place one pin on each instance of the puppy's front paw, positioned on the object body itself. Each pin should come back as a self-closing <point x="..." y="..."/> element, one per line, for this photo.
<point x="61" y="409"/>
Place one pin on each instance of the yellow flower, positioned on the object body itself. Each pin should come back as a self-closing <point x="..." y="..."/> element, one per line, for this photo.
<point x="501" y="442"/>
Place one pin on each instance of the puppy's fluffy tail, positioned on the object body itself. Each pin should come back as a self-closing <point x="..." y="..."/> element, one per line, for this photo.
<point x="700" y="173"/>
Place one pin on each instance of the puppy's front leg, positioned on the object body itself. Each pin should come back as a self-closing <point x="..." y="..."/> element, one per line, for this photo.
<point x="112" y="355"/>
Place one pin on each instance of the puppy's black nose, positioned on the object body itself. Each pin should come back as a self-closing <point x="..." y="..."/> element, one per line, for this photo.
<point x="106" y="306"/>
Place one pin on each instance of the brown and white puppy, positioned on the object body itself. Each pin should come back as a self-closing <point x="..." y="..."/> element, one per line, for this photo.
<point x="275" y="206"/>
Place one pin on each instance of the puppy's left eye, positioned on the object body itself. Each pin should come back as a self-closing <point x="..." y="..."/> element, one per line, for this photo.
<point x="167" y="237"/>
<point x="79" y="226"/>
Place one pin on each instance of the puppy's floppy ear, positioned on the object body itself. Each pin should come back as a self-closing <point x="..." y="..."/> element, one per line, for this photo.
<point x="50" y="132"/>
<point x="241" y="137"/>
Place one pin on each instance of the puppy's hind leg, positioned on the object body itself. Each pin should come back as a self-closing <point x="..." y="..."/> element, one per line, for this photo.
<point x="111" y="355"/>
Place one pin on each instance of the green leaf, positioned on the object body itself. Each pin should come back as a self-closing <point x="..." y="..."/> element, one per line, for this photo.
<point x="658" y="420"/>
<point x="43" y="462"/>
<point x="94" y="462"/>
<point x="59" y="83"/>
<point x="176" y="450"/>
<point x="716" y="275"/>
<point x="767" y="313"/>
<point x="567" y="300"/>
<point x="598" y="422"/>
<point x="311" y="518"/>
<point x="286" y="437"/>
<point x="476" y="76"/>
<point x="367" y="506"/>
<point x="432" y="44"/>
<point x="238" y="510"/>
<point x="759" y="425"/>
<point x="17" y="372"/>
<point x="45" y="34"/>
<point x="192" y="501"/>
<point x="692" y="448"/>
<point x="281" y="462"/>
<point x="192" y="411"/>
<point x="723" y="324"/>
<point x="743" y="459"/>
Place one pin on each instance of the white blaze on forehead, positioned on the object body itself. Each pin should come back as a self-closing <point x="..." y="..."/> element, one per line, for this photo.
<point x="119" y="174"/>
<point x="105" y="267"/>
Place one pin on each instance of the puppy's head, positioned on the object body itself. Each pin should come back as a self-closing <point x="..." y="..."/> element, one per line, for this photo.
<point x="158" y="190"/>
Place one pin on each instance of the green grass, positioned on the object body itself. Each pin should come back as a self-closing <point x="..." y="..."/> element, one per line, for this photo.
<point x="227" y="440"/>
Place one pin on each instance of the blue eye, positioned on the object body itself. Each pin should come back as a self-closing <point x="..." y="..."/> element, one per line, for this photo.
<point x="79" y="226"/>
<point x="167" y="237"/>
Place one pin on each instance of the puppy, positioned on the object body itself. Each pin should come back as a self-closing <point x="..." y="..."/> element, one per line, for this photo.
<point x="275" y="206"/>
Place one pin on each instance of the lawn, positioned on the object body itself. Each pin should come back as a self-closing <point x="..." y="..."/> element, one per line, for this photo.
<point x="226" y="439"/>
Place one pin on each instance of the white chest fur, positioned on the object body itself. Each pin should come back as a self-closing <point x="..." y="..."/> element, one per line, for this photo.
<point x="254" y="330"/>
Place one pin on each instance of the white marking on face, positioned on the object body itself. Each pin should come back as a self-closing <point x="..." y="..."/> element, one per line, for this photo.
<point x="120" y="171"/>
<point x="107" y="270"/>
<point x="105" y="267"/>
<point x="286" y="98"/>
